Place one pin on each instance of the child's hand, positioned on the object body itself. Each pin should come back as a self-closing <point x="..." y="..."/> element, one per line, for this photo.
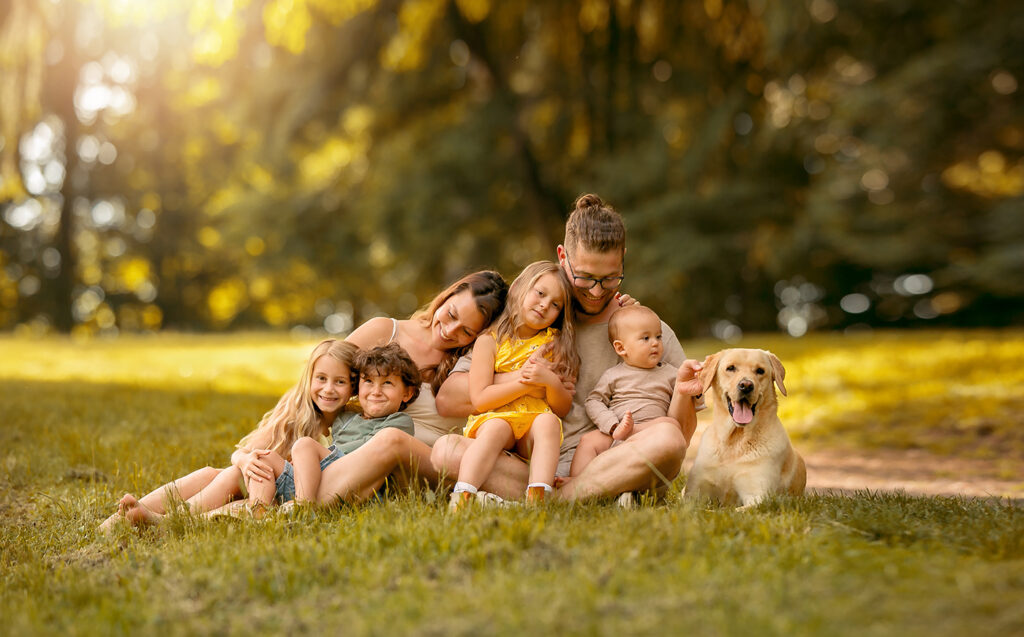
<point x="687" y="381"/>
<point x="624" y="428"/>
<point x="254" y="468"/>
<point x="625" y="299"/>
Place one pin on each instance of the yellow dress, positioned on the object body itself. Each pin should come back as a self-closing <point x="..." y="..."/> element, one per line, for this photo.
<point x="509" y="357"/>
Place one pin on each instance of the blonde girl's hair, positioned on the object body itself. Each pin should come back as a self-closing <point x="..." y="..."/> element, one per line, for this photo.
<point x="489" y="291"/>
<point x="296" y="415"/>
<point x="563" y="351"/>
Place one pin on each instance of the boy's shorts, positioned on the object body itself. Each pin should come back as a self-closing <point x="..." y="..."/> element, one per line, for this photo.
<point x="285" y="484"/>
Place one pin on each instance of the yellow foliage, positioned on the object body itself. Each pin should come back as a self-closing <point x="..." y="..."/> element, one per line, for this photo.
<point x="132" y="273"/>
<point x="322" y="166"/>
<point x="989" y="176"/>
<point x="474" y="10"/>
<point x="259" y="177"/>
<point x="227" y="299"/>
<point x="405" y="51"/>
<point x="209" y="237"/>
<point x="218" y="29"/>
<point x="286" y="23"/>
<point x="340" y="11"/>
<point x="255" y="246"/>
<point x="202" y="92"/>
<point x="593" y="15"/>
<point x="356" y="120"/>
<point x="222" y="200"/>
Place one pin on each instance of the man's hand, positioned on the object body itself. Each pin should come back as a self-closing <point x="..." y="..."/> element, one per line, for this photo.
<point x="687" y="381"/>
<point x="624" y="299"/>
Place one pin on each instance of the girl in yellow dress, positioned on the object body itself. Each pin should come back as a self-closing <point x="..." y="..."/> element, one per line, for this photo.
<point x="523" y="414"/>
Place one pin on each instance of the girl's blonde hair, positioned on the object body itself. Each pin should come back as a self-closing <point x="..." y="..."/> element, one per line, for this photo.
<point x="563" y="348"/>
<point x="296" y="415"/>
<point x="489" y="290"/>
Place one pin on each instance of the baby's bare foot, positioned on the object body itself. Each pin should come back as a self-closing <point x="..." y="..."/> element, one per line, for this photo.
<point x="625" y="427"/>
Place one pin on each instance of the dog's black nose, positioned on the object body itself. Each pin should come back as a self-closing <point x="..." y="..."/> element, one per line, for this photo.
<point x="746" y="386"/>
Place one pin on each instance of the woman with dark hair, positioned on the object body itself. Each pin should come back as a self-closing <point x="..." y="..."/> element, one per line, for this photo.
<point x="435" y="337"/>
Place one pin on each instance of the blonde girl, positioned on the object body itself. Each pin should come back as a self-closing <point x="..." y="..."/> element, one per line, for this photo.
<point x="524" y="416"/>
<point x="307" y="409"/>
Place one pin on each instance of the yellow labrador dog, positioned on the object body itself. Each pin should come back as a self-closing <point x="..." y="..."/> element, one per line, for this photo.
<point x="745" y="453"/>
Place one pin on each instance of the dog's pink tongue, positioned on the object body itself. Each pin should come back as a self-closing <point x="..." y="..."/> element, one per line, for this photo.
<point x="742" y="413"/>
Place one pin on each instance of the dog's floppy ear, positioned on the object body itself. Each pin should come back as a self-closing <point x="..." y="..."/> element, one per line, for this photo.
<point x="778" y="371"/>
<point x="707" y="374"/>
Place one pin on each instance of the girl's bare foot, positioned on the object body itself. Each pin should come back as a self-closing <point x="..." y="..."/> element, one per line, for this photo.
<point x="137" y="513"/>
<point x="109" y="523"/>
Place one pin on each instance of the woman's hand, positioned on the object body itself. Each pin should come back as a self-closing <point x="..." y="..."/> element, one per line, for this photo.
<point x="254" y="468"/>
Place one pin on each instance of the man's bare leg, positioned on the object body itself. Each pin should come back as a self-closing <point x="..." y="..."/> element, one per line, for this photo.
<point x="650" y="458"/>
<point x="507" y="479"/>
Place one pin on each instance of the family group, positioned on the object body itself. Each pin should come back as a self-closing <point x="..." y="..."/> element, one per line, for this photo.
<point x="557" y="386"/>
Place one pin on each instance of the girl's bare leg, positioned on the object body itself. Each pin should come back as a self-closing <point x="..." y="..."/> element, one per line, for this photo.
<point x="492" y="437"/>
<point x="542" y="444"/>
<point x="356" y="476"/>
<point x="306" y="456"/>
<point x="156" y="500"/>
<point x="508" y="478"/>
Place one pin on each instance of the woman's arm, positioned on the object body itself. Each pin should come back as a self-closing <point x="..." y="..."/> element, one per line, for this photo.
<point x="376" y="331"/>
<point x="484" y="393"/>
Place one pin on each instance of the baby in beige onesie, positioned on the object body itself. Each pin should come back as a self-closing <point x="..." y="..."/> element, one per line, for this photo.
<point x="634" y="393"/>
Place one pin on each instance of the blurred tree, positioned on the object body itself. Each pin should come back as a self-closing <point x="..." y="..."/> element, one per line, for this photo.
<point x="800" y="164"/>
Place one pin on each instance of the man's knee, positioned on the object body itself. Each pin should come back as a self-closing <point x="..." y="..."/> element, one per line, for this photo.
<point x="666" y="444"/>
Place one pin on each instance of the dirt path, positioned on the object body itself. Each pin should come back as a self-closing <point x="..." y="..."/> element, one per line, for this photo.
<point x="913" y="471"/>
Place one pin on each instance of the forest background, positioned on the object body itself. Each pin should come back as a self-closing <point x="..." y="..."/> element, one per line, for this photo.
<point x="307" y="164"/>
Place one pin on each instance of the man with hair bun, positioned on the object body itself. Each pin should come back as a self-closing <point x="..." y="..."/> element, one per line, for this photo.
<point x="592" y="257"/>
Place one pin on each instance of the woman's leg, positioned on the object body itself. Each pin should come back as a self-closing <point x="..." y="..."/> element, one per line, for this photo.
<point x="355" y="476"/>
<point x="306" y="456"/>
<point x="541" y="444"/>
<point x="492" y="437"/>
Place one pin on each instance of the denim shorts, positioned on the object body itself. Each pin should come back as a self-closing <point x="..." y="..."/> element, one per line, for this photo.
<point x="285" y="484"/>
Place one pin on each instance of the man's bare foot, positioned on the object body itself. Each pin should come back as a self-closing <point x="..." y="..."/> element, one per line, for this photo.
<point x="137" y="513"/>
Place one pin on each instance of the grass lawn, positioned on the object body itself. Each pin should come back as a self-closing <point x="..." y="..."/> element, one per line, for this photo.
<point x="83" y="422"/>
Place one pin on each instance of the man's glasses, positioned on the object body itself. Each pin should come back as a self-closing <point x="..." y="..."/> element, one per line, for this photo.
<point x="587" y="282"/>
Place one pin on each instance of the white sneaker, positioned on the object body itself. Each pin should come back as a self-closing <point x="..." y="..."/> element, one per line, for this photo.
<point x="493" y="500"/>
<point x="626" y="500"/>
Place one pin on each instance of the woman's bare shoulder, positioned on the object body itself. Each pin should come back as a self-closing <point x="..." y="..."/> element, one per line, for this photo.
<point x="374" y="332"/>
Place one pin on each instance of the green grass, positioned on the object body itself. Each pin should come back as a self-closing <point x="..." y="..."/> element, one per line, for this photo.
<point x="80" y="424"/>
